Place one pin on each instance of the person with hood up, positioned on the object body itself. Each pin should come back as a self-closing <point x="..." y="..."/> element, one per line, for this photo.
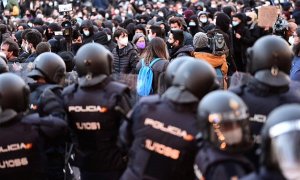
<point x="204" y="23"/>
<point x="87" y="30"/>
<point x="241" y="40"/>
<point x="193" y="25"/>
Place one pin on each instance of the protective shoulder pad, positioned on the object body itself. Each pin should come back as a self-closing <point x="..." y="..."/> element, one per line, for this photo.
<point x="117" y="88"/>
<point x="69" y="89"/>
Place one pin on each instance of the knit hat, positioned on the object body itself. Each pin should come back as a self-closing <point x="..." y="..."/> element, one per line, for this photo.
<point x="200" y="40"/>
<point x="136" y="37"/>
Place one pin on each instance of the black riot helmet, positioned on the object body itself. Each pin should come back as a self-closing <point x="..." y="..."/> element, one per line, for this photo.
<point x="280" y="141"/>
<point x="193" y="79"/>
<point x="49" y="66"/>
<point x="14" y="92"/>
<point x="223" y="120"/>
<point x="93" y="63"/>
<point x="173" y="67"/>
<point x="269" y="60"/>
<point x="3" y="66"/>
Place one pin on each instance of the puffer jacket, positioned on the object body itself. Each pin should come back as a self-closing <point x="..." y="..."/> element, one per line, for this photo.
<point x="125" y="59"/>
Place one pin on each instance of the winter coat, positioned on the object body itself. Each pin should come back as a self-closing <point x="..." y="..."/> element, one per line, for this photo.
<point x="186" y="50"/>
<point x="125" y="59"/>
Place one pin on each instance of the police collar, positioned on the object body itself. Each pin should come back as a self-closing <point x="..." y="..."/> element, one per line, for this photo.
<point x="180" y="95"/>
<point x="7" y="115"/>
<point x="262" y="89"/>
<point x="89" y="80"/>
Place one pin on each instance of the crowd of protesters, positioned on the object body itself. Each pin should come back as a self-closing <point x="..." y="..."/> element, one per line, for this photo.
<point x="170" y="36"/>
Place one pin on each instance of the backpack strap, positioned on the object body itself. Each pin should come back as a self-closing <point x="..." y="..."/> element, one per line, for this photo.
<point x="143" y="63"/>
<point x="153" y="62"/>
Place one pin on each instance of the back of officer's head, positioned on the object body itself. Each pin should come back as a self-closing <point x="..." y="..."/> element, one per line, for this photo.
<point x="269" y="60"/>
<point x="173" y="67"/>
<point x="280" y="141"/>
<point x="50" y="67"/>
<point x="93" y="59"/>
<point x="193" y="80"/>
<point x="223" y="121"/>
<point x="14" y="92"/>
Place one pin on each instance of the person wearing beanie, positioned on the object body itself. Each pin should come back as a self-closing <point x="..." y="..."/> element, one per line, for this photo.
<point x="203" y="52"/>
<point x="241" y="39"/>
<point x="139" y="40"/>
<point x="204" y="22"/>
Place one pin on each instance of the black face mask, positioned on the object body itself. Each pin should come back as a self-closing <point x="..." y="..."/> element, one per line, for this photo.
<point x="75" y="47"/>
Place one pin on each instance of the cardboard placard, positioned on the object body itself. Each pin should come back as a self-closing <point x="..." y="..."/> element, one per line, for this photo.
<point x="267" y="16"/>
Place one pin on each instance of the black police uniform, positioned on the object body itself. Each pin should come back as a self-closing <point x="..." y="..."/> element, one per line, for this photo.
<point x="261" y="100"/>
<point x="23" y="144"/>
<point x="21" y="152"/>
<point x="264" y="174"/>
<point x="161" y="134"/>
<point x="213" y="164"/>
<point x="46" y="99"/>
<point x="95" y="124"/>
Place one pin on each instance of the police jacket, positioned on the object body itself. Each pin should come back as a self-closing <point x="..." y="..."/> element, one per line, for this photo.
<point x="213" y="164"/>
<point x="21" y="151"/>
<point x="46" y="99"/>
<point x="261" y="99"/>
<point x="160" y="135"/>
<point x="94" y="120"/>
<point x="264" y="174"/>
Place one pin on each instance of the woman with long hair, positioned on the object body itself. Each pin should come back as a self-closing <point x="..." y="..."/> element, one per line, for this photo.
<point x="157" y="52"/>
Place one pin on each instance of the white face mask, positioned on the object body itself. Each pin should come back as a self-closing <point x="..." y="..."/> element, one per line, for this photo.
<point x="235" y="23"/>
<point x="86" y="33"/>
<point x="203" y="20"/>
<point x="161" y="14"/>
<point x="149" y="37"/>
<point x="192" y="24"/>
<point x="108" y="37"/>
<point x="123" y="41"/>
<point x="233" y="136"/>
<point x="291" y="40"/>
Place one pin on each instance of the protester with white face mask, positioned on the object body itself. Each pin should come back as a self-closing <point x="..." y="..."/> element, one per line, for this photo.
<point x="87" y="31"/>
<point x="125" y="54"/>
<point x="204" y="21"/>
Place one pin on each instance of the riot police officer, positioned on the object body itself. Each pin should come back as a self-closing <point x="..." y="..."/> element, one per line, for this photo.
<point x="22" y="154"/>
<point x="49" y="72"/>
<point x="269" y="61"/>
<point x="92" y="106"/>
<point x="280" y="145"/>
<point x="46" y="100"/>
<point x="223" y="122"/>
<point x="160" y="132"/>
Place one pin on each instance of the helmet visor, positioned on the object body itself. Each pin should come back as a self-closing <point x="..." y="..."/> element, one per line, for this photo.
<point x="286" y="152"/>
